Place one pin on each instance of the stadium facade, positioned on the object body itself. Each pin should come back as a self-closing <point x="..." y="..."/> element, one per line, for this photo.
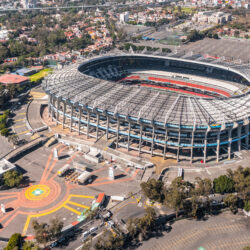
<point x="136" y="100"/>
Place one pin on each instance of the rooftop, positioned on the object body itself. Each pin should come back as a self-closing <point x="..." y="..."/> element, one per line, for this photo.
<point x="12" y="79"/>
<point x="6" y="166"/>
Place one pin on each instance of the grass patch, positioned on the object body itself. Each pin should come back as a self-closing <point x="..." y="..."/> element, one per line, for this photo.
<point x="186" y="10"/>
<point x="36" y="77"/>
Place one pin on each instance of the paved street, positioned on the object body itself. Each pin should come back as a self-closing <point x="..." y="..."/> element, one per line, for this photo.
<point x="5" y="146"/>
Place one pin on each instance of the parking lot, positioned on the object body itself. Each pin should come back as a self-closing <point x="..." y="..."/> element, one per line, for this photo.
<point x="224" y="231"/>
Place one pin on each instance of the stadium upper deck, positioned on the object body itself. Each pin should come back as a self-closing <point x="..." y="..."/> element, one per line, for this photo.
<point x="91" y="97"/>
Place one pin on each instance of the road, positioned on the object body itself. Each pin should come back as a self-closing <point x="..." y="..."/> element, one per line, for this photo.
<point x="81" y="7"/>
<point x="5" y="146"/>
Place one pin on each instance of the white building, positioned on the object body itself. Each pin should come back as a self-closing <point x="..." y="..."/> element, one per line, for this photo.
<point x="211" y="17"/>
<point x="28" y="4"/>
<point x="4" y="34"/>
<point x="6" y="166"/>
<point x="124" y="17"/>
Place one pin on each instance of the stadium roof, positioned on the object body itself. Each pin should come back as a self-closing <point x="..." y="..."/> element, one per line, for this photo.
<point x="145" y="105"/>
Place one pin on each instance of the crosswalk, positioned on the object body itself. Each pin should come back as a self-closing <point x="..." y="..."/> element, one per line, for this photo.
<point x="71" y="205"/>
<point x="33" y="137"/>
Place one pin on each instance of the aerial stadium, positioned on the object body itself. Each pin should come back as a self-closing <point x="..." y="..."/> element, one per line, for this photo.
<point x="181" y="106"/>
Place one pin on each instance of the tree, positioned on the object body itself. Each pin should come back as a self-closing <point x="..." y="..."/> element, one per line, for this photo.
<point x="191" y="206"/>
<point x="175" y="199"/>
<point x="176" y="194"/>
<point x="45" y="232"/>
<point x="12" y="178"/>
<point x="142" y="226"/>
<point x="55" y="228"/>
<point x="3" y="53"/>
<point x="132" y="228"/>
<point x="41" y="232"/>
<point x="204" y="186"/>
<point x="29" y="245"/>
<point x="108" y="241"/>
<point x="195" y="35"/>
<point x="231" y="202"/>
<point x="14" y="139"/>
<point x="87" y="245"/>
<point x="14" y="242"/>
<point x="241" y="178"/>
<point x="223" y="184"/>
<point x="247" y="205"/>
<point x="215" y="36"/>
<point x="153" y="189"/>
<point x="4" y="131"/>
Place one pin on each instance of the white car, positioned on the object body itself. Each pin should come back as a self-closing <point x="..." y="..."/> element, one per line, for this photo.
<point x="93" y="229"/>
<point x="85" y="235"/>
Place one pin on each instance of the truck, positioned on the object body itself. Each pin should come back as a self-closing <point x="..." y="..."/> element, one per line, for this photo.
<point x="62" y="171"/>
<point x="117" y="198"/>
<point x="84" y="178"/>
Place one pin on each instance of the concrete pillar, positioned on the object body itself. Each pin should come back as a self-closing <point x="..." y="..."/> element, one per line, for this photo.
<point x="192" y="148"/>
<point x="218" y="147"/>
<point x="107" y="131"/>
<point x="152" y="144"/>
<point x="64" y="111"/>
<point x="239" y="136"/>
<point x="129" y="129"/>
<point x="117" y="134"/>
<point x="165" y="145"/>
<point x="178" y="149"/>
<point x="53" y="110"/>
<point x="57" y="111"/>
<point x="247" y="133"/>
<point x="229" y="143"/>
<point x="88" y="124"/>
<point x="97" y="126"/>
<point x="205" y="148"/>
<point x="71" y="116"/>
<point x="79" y="121"/>
<point x="49" y="104"/>
<point x="140" y="140"/>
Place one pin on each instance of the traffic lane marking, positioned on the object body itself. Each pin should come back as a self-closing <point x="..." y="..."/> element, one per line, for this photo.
<point x="78" y="205"/>
<point x="53" y="164"/>
<point x="19" y="120"/>
<point x="72" y="210"/>
<point x="20" y="126"/>
<point x="48" y="162"/>
<point x="82" y="196"/>
<point x="40" y="215"/>
<point x="24" y="132"/>
<point x="50" y="211"/>
<point x="19" y="114"/>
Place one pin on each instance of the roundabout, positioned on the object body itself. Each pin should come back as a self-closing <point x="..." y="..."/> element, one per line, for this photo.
<point x="48" y="196"/>
<point x="40" y="195"/>
<point x="37" y="192"/>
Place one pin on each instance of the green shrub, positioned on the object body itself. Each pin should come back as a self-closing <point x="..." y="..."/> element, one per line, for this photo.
<point x="247" y="206"/>
<point x="4" y="131"/>
<point x="13" y="242"/>
<point x="223" y="184"/>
